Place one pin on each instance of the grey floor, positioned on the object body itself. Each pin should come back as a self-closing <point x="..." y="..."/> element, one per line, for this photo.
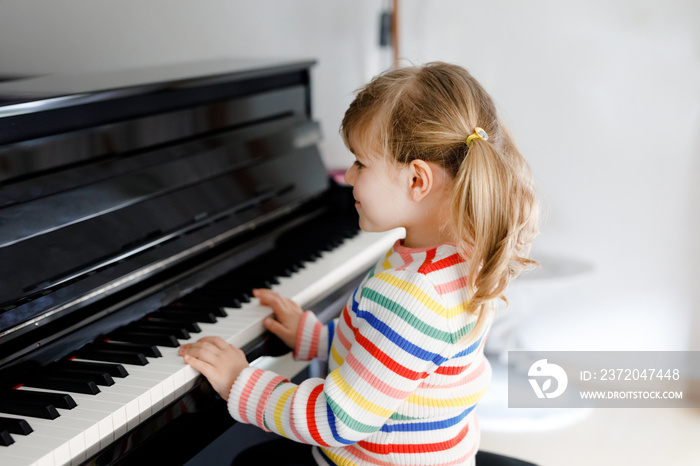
<point x="620" y="437"/>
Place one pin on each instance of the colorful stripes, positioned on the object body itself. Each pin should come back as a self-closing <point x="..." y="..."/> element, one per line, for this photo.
<point x="425" y="426"/>
<point x="420" y="295"/>
<point x="307" y="346"/>
<point x="446" y="402"/>
<point x="406" y="316"/>
<point x="278" y="409"/>
<point x="401" y="388"/>
<point x="403" y="448"/>
<point x="311" y="416"/>
<point x="250" y="393"/>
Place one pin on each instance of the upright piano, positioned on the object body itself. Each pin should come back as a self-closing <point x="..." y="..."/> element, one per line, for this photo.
<point x="138" y="209"/>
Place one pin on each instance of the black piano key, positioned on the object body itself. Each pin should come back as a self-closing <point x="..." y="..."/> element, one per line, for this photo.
<point x="192" y="327"/>
<point x="23" y="409"/>
<point x="235" y="303"/>
<point x="173" y="317"/>
<point x="99" y="377"/>
<point x="195" y="316"/>
<point x="204" y="301"/>
<point x="120" y="356"/>
<point x="212" y="301"/>
<point x="69" y="384"/>
<point x="249" y="285"/>
<point x="178" y="330"/>
<point x="59" y="400"/>
<point x="15" y="426"/>
<point x="6" y="439"/>
<point x="179" y="333"/>
<point x="218" y="311"/>
<point x="115" y="370"/>
<point x="150" y="351"/>
<point x="151" y="338"/>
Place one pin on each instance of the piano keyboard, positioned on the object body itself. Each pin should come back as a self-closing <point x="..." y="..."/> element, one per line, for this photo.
<point x="62" y="435"/>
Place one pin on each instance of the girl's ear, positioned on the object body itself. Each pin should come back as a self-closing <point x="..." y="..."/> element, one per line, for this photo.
<point x="421" y="180"/>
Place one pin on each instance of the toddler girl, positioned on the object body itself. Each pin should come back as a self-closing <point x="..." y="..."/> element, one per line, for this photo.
<point x="405" y="357"/>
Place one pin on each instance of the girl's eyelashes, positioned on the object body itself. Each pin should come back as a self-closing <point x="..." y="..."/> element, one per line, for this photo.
<point x="358" y="164"/>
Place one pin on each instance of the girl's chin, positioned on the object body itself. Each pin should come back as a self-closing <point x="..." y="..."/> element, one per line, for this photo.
<point x="369" y="227"/>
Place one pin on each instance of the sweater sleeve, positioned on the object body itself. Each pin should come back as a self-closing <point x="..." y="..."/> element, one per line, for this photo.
<point x="397" y="341"/>
<point x="313" y="338"/>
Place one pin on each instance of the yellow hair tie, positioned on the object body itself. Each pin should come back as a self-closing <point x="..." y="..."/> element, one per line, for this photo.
<point x="478" y="133"/>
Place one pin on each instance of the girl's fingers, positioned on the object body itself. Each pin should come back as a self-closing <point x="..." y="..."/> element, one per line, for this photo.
<point x="287" y="312"/>
<point x="217" y="342"/>
<point x="269" y="298"/>
<point x="216" y="360"/>
<point x="203" y="354"/>
<point x="199" y="365"/>
<point x="274" y="326"/>
<point x="208" y="349"/>
<point x="278" y="304"/>
<point x="205" y="351"/>
<point x="274" y="300"/>
<point x="264" y="292"/>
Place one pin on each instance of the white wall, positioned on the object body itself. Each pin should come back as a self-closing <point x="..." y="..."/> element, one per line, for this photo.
<point x="603" y="97"/>
<point x="71" y="36"/>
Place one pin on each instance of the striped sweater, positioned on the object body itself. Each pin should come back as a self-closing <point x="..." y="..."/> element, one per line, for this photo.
<point x="402" y="383"/>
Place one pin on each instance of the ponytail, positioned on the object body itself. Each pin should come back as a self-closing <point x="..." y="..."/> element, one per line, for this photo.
<point x="494" y="212"/>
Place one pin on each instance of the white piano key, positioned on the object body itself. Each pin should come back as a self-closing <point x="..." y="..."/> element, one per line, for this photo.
<point x="12" y="460"/>
<point x="151" y="378"/>
<point x="27" y="457"/>
<point x="72" y="441"/>
<point x="42" y="449"/>
<point x="110" y="417"/>
<point x="142" y="394"/>
<point x="337" y="266"/>
<point x="82" y="434"/>
<point x="98" y="419"/>
<point x="311" y="284"/>
<point x="130" y="395"/>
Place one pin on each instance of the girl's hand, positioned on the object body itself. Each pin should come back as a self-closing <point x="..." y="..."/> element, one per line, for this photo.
<point x="287" y="312"/>
<point x="216" y="360"/>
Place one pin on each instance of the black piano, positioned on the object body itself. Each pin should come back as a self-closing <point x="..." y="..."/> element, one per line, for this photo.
<point x="138" y="209"/>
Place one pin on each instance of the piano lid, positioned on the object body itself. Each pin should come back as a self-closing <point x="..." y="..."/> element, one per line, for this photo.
<point x="31" y="95"/>
<point x="56" y="95"/>
<point x="102" y="186"/>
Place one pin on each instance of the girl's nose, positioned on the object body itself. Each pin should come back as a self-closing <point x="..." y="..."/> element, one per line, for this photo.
<point x="350" y="175"/>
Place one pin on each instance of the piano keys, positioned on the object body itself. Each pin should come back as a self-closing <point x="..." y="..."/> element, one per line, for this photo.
<point x="139" y="210"/>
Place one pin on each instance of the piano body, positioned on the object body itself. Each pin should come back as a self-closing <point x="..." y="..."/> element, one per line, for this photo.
<point x="138" y="209"/>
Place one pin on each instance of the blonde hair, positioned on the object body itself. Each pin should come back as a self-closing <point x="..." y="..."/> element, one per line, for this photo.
<point x="427" y="113"/>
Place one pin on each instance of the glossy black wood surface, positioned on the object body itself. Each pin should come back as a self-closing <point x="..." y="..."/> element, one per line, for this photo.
<point x="128" y="174"/>
<point x="126" y="197"/>
<point x="56" y="104"/>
